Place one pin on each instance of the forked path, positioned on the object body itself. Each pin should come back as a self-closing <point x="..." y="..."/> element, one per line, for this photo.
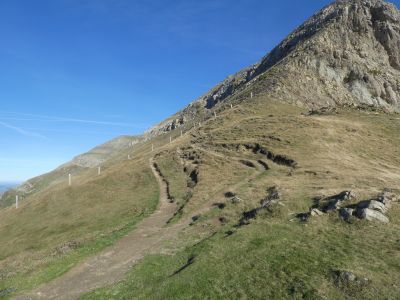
<point x="111" y="265"/>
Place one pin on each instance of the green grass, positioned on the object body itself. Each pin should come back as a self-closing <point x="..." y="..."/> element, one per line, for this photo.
<point x="60" y="264"/>
<point x="92" y="214"/>
<point x="265" y="261"/>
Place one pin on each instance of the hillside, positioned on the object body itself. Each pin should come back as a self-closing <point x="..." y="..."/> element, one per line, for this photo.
<point x="6" y="186"/>
<point x="112" y="151"/>
<point x="280" y="182"/>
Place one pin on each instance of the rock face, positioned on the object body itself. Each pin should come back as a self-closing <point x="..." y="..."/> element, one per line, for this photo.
<point x="348" y="53"/>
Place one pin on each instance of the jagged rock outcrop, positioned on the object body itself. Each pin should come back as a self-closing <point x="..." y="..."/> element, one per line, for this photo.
<point x="348" y="53"/>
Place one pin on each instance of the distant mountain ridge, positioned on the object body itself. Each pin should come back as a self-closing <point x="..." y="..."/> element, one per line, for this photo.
<point x="4" y="186"/>
<point x="111" y="150"/>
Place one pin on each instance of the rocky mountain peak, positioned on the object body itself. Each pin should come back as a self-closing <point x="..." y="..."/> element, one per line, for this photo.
<point x="347" y="53"/>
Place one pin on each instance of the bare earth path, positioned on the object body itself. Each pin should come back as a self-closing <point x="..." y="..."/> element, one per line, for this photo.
<point x="111" y="265"/>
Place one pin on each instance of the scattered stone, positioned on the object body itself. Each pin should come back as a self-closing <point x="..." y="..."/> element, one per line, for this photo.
<point x="372" y="215"/>
<point x="316" y="212"/>
<point x="230" y="194"/>
<point x="334" y="202"/>
<point x="346" y="213"/>
<point x="195" y="218"/>
<point x="229" y="233"/>
<point x="346" y="279"/>
<point x="236" y="200"/>
<point x="273" y="197"/>
<point x="303" y="217"/>
<point x="373" y="209"/>
<point x="219" y="205"/>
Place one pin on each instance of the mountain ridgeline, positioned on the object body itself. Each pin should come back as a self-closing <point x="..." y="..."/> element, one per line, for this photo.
<point x="346" y="54"/>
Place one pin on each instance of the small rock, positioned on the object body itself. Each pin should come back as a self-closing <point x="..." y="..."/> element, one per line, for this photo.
<point x="316" y="212"/>
<point x="235" y="200"/>
<point x="195" y="218"/>
<point x="348" y="276"/>
<point x="303" y="217"/>
<point x="230" y="194"/>
<point x="371" y="215"/>
<point x="219" y="205"/>
<point x="348" y="279"/>
<point x="273" y="196"/>
<point x="346" y="213"/>
<point x="334" y="202"/>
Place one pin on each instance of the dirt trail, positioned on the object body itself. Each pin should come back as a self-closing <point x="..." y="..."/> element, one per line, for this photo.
<point x="111" y="265"/>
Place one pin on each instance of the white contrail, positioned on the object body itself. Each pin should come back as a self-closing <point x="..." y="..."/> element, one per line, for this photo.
<point x="22" y="131"/>
<point x="62" y="119"/>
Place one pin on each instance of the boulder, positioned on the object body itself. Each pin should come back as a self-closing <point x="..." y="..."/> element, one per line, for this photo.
<point x="374" y="205"/>
<point x="372" y="215"/>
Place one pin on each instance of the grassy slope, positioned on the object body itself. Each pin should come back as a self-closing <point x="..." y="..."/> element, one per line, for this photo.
<point x="276" y="256"/>
<point x="88" y="216"/>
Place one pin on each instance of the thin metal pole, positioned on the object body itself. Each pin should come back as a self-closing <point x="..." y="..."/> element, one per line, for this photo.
<point x="16" y="201"/>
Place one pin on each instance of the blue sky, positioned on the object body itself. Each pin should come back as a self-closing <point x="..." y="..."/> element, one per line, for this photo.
<point x="76" y="73"/>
